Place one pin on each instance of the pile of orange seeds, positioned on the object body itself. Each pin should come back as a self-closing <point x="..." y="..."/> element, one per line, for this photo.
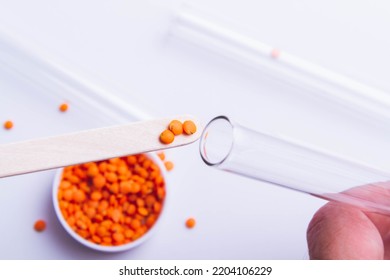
<point x="112" y="202"/>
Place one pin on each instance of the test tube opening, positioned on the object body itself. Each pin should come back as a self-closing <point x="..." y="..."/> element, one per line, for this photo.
<point x="216" y="141"/>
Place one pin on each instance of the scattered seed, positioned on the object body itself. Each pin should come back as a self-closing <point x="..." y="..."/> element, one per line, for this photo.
<point x="190" y="223"/>
<point x="40" y="225"/>
<point x="63" y="107"/>
<point x="161" y="156"/>
<point x="169" y="165"/>
<point x="8" y="125"/>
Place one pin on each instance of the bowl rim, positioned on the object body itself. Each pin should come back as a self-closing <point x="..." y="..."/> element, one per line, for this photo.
<point x="118" y="248"/>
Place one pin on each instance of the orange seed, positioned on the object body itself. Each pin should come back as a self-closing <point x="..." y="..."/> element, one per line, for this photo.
<point x="167" y="137"/>
<point x="190" y="223"/>
<point x="189" y="127"/>
<point x="161" y="156"/>
<point x="40" y="225"/>
<point x="176" y="127"/>
<point x="168" y="165"/>
<point x="8" y="125"/>
<point x="64" y="107"/>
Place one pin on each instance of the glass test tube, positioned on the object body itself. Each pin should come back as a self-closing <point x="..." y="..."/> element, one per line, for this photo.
<point x="24" y="59"/>
<point x="262" y="156"/>
<point x="206" y="31"/>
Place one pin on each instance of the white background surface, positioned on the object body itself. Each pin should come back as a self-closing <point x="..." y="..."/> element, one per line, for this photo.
<point x="129" y="46"/>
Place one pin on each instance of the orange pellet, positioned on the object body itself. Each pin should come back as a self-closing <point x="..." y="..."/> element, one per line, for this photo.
<point x="64" y="107"/>
<point x="93" y="170"/>
<point x="107" y="241"/>
<point x="150" y="220"/>
<point x="73" y="179"/>
<point x="189" y="127"/>
<point x="126" y="187"/>
<point x="115" y="215"/>
<point x="135" y="224"/>
<point x="79" y="196"/>
<point x="102" y="166"/>
<point x="143" y="211"/>
<point x="129" y="233"/>
<point x="102" y="231"/>
<point x="157" y="207"/>
<point x="112" y="202"/>
<point x="96" y="195"/>
<point x="90" y="212"/>
<point x="112" y="167"/>
<point x="190" y="223"/>
<point x="168" y="165"/>
<point x="140" y="202"/>
<point x="150" y="200"/>
<point x="161" y="156"/>
<point x="118" y="237"/>
<point x="131" y="160"/>
<point x="117" y="228"/>
<point x="176" y="127"/>
<point x="142" y="172"/>
<point x="96" y="239"/>
<point x="8" y="124"/>
<point x="111" y="177"/>
<point x="131" y="209"/>
<point x="114" y="188"/>
<point x="99" y="181"/>
<point x="40" y="225"/>
<point x="135" y="187"/>
<point x="65" y="185"/>
<point x="122" y="170"/>
<point x="167" y="136"/>
<point x="147" y="187"/>
<point x="68" y="195"/>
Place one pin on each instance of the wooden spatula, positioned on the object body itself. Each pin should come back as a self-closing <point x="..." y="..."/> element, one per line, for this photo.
<point x="89" y="145"/>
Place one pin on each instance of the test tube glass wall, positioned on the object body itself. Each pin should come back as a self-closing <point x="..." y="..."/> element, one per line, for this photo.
<point x="358" y="98"/>
<point x="280" y="161"/>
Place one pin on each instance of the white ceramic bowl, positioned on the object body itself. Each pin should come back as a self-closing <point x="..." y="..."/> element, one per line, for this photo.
<point x="113" y="248"/>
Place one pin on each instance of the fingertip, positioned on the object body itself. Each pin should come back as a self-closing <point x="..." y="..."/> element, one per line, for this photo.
<point x="317" y="232"/>
<point x="337" y="231"/>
